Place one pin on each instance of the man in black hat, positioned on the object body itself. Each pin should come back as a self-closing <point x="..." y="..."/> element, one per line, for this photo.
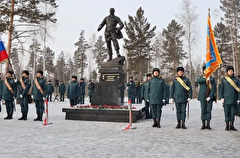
<point x="82" y="85"/>
<point x="112" y="33"/>
<point x="24" y="85"/>
<point x="230" y="97"/>
<point x="156" y="96"/>
<point x="131" y="89"/>
<point x="39" y="92"/>
<point x="73" y="91"/>
<point x="9" y="93"/>
<point x="144" y="94"/>
<point x="181" y="93"/>
<point x="206" y="96"/>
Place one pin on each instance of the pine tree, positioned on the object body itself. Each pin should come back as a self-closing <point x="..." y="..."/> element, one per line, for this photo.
<point x="100" y="52"/>
<point x="15" y="62"/>
<point x="27" y="12"/>
<point x="231" y="9"/>
<point x="172" y="46"/>
<point x="60" y="67"/>
<point x="80" y="59"/>
<point x="138" y="43"/>
<point x="48" y="57"/>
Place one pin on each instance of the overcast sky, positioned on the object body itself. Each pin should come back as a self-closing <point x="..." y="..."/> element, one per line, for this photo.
<point x="76" y="15"/>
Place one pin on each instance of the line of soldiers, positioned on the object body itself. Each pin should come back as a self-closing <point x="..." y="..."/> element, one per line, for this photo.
<point x="134" y="90"/>
<point x="76" y="91"/>
<point x="154" y="93"/>
<point x="12" y="89"/>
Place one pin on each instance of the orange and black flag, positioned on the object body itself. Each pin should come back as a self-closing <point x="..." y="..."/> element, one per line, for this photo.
<point x="213" y="59"/>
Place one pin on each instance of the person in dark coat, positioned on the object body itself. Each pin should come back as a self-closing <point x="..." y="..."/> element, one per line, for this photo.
<point x="131" y="89"/>
<point x="50" y="90"/>
<point x="62" y="90"/>
<point x="156" y="94"/>
<point x="144" y="94"/>
<point x="9" y="93"/>
<point x="82" y="91"/>
<point x="230" y="97"/>
<point x="73" y="91"/>
<point x="39" y="92"/>
<point x="24" y="85"/>
<point x="206" y="96"/>
<point x="121" y="88"/>
<point x="181" y="94"/>
<point x="91" y="87"/>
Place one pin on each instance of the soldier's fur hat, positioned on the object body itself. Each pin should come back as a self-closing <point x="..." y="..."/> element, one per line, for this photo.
<point x="25" y="72"/>
<point x="10" y="72"/>
<point x="40" y="71"/>
<point x="74" y="77"/>
<point x="149" y="75"/>
<point x="180" y="69"/>
<point x="156" y="69"/>
<point x="230" y="68"/>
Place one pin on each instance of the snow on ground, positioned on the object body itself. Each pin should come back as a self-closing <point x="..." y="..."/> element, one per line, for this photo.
<point x="86" y="139"/>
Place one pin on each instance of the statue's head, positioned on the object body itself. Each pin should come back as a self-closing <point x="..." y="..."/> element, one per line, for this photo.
<point x="112" y="11"/>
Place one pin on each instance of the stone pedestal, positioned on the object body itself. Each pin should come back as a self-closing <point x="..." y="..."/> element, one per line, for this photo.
<point x="107" y="90"/>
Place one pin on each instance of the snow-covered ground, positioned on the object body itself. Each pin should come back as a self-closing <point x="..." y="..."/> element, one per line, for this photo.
<point x="72" y="139"/>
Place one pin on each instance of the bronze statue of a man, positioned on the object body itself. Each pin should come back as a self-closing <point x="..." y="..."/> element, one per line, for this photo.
<point x="112" y="32"/>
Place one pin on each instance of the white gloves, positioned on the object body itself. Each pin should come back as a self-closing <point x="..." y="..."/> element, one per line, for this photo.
<point x="222" y="100"/>
<point x="15" y="80"/>
<point x="208" y="98"/>
<point x="171" y="101"/>
<point x="21" y="96"/>
<point x="163" y="100"/>
<point x="208" y="79"/>
<point x="32" y="96"/>
<point x="43" y="98"/>
<point x="238" y="101"/>
<point x="147" y="101"/>
<point x="188" y="99"/>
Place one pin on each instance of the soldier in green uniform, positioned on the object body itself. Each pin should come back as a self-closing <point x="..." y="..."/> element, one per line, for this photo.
<point x="50" y="90"/>
<point x="39" y="92"/>
<point x="62" y="90"/>
<point x="24" y="85"/>
<point x="73" y="91"/>
<point x="230" y="97"/>
<point x="144" y="94"/>
<point x="206" y="96"/>
<point x="131" y="89"/>
<point x="181" y="93"/>
<point x="91" y="87"/>
<point x="9" y="93"/>
<point x="156" y="94"/>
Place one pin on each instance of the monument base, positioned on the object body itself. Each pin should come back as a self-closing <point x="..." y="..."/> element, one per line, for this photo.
<point x="111" y="115"/>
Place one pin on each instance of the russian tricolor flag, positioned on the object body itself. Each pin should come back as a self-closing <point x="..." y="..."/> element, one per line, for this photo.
<point x="3" y="52"/>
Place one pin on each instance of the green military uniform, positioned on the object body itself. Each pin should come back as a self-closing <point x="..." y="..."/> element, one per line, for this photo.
<point x="230" y="96"/>
<point x="73" y="92"/>
<point x="39" y="97"/>
<point x="131" y="90"/>
<point x="50" y="90"/>
<point x="156" y="94"/>
<point x="181" y="96"/>
<point x="23" y="94"/>
<point x="206" y="106"/>
<point x="91" y="87"/>
<point x="144" y="95"/>
<point x="9" y="95"/>
<point x="62" y="90"/>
